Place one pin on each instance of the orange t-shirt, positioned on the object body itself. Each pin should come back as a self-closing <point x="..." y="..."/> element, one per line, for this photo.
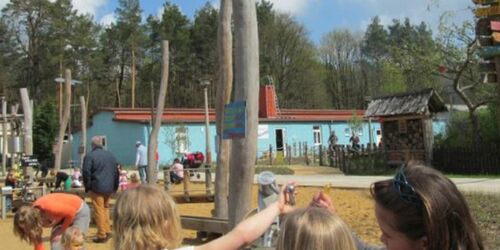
<point x="59" y="207"/>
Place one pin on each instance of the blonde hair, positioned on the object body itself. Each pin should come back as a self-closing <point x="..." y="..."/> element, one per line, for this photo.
<point x="146" y="218"/>
<point x="72" y="235"/>
<point x="314" y="228"/>
<point x="134" y="178"/>
<point x="28" y="224"/>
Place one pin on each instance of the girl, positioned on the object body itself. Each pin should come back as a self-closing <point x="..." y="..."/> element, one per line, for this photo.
<point x="420" y="208"/>
<point x="134" y="181"/>
<point x="73" y="239"/>
<point x="123" y="180"/>
<point x="314" y="228"/>
<point x="155" y="224"/>
<point x="56" y="210"/>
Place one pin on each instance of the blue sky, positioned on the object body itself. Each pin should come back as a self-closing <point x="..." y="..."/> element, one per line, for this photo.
<point x="318" y="16"/>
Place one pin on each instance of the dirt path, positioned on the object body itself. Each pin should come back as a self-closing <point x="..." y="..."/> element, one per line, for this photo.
<point x="354" y="206"/>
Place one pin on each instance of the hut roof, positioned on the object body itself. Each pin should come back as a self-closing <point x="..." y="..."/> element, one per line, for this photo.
<point x="409" y="103"/>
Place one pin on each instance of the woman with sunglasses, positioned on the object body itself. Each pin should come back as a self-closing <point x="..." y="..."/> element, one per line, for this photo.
<point x="420" y="208"/>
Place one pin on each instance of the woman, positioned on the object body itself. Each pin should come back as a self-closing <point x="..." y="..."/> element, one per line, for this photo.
<point x="58" y="211"/>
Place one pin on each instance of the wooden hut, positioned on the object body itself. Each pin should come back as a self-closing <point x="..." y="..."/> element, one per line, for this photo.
<point x="406" y="124"/>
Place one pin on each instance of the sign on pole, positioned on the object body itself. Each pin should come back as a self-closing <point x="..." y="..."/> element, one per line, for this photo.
<point x="235" y="120"/>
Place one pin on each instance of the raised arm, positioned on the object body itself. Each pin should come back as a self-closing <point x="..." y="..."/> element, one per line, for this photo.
<point x="250" y="229"/>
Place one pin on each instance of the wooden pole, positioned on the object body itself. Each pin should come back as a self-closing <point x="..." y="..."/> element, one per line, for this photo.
<point x="224" y="89"/>
<point x="13" y="133"/>
<point x="4" y="137"/>
<point x="65" y="120"/>
<point x="244" y="150"/>
<point x="153" y="137"/>
<point x="28" y="129"/>
<point x="83" y="138"/>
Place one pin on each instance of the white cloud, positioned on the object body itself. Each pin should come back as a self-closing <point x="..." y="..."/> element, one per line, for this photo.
<point x="89" y="6"/>
<point x="292" y="6"/>
<point x="159" y="13"/>
<point x="108" y="19"/>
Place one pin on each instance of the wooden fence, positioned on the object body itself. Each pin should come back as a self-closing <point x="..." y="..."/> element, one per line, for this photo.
<point x="472" y="160"/>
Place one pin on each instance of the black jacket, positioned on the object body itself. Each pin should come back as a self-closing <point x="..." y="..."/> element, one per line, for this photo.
<point x="100" y="171"/>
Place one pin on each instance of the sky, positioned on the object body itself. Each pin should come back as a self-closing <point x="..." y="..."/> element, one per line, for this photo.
<point x="318" y="16"/>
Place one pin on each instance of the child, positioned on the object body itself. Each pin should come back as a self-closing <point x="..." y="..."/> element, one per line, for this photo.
<point x="420" y="208"/>
<point x="56" y="210"/>
<point x="176" y="172"/>
<point x="314" y="228"/>
<point x="155" y="224"/>
<point x="134" y="181"/>
<point x="75" y="179"/>
<point x="123" y="180"/>
<point x="73" y="239"/>
<point x="10" y="181"/>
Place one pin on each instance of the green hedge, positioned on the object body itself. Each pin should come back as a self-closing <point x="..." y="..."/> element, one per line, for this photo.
<point x="275" y="170"/>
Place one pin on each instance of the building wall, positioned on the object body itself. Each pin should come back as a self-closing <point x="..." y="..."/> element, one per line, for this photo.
<point x="121" y="136"/>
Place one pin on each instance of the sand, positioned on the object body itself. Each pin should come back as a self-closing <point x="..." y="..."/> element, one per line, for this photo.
<point x="354" y="206"/>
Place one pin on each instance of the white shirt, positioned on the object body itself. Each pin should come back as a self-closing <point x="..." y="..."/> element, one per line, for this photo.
<point x="141" y="156"/>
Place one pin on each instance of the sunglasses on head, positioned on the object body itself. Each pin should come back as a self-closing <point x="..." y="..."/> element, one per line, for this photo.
<point x="405" y="189"/>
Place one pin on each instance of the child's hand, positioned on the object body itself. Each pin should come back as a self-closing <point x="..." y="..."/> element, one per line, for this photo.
<point x="322" y="200"/>
<point x="285" y="197"/>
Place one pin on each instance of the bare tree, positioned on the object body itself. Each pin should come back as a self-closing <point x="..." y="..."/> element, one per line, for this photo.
<point x="224" y="88"/>
<point x="153" y="137"/>
<point x="244" y="150"/>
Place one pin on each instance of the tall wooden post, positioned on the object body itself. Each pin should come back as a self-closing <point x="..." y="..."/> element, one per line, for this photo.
<point x="4" y="137"/>
<point x="65" y="120"/>
<point x="244" y="150"/>
<point x="28" y="129"/>
<point x="83" y="139"/>
<point x="224" y="89"/>
<point x="153" y="137"/>
<point x="13" y="134"/>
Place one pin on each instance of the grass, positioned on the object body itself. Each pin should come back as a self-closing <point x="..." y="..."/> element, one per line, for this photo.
<point x="486" y="210"/>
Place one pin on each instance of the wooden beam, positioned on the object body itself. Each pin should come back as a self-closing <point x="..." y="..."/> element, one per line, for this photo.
<point x="153" y="137"/>
<point x="83" y="138"/>
<point x="203" y="224"/>
<point x="485" y="1"/>
<point x="487" y="11"/>
<point x="65" y="121"/>
<point x="28" y="129"/>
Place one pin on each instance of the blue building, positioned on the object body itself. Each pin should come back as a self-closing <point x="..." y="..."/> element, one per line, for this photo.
<point x="183" y="130"/>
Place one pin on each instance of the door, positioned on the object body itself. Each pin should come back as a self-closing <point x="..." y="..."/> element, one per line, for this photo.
<point x="280" y="141"/>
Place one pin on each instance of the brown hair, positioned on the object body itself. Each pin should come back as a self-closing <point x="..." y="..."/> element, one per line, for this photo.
<point x="146" y="218"/>
<point x="314" y="228"/>
<point x="443" y="217"/>
<point x="27" y="224"/>
<point x="72" y="235"/>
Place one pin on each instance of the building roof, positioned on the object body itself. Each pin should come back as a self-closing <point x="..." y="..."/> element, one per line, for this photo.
<point x="410" y="103"/>
<point x="197" y="115"/>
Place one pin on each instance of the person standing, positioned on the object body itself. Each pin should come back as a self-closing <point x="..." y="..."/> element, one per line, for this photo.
<point x="100" y="177"/>
<point x="141" y="161"/>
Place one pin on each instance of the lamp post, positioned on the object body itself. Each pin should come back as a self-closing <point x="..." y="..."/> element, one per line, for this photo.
<point x="59" y="81"/>
<point x="208" y="152"/>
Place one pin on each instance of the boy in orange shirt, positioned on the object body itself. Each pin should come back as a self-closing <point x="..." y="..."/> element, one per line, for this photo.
<point x="57" y="210"/>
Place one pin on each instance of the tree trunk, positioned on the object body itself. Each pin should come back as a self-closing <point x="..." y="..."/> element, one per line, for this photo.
<point x="244" y="150"/>
<point x="225" y="85"/>
<point x="118" y="98"/>
<point x="153" y="137"/>
<point x="65" y="120"/>
<point x="4" y="136"/>
<point x="83" y="139"/>
<point x="476" y="130"/>
<point x="28" y="129"/>
<point x="133" y="78"/>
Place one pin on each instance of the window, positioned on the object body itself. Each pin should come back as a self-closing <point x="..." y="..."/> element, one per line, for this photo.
<point x="181" y="138"/>
<point x="317" y="135"/>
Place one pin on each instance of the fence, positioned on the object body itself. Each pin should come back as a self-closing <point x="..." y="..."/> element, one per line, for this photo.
<point x="295" y="154"/>
<point x="472" y="160"/>
<point x="368" y="159"/>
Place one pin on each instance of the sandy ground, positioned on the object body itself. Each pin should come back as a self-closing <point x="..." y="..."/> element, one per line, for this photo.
<point x="354" y="206"/>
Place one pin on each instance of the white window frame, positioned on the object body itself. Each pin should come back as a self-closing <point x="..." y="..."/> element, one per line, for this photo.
<point x="317" y="135"/>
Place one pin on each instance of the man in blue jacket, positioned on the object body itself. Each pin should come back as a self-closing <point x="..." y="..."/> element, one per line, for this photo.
<point x="100" y="178"/>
